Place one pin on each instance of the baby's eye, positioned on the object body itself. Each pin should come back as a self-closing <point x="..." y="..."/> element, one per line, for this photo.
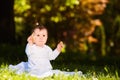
<point x="38" y="35"/>
<point x="43" y="35"/>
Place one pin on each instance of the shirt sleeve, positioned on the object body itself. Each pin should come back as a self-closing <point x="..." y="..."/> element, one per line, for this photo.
<point x="53" y="54"/>
<point x="28" y="49"/>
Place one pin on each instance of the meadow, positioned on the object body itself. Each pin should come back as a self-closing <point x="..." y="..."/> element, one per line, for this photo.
<point x="89" y="73"/>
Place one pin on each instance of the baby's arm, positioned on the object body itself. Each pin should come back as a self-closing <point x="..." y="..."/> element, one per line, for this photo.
<point x="53" y="54"/>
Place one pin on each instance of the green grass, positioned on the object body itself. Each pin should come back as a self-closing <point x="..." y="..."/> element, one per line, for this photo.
<point x="89" y="73"/>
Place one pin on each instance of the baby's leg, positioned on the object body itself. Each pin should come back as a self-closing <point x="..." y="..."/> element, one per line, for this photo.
<point x="19" y="68"/>
<point x="72" y="73"/>
<point x="66" y="72"/>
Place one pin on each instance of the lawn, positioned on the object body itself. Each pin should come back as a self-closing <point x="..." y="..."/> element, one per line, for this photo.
<point x="89" y="73"/>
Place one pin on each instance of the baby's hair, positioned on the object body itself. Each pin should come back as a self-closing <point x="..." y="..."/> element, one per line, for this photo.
<point x="39" y="26"/>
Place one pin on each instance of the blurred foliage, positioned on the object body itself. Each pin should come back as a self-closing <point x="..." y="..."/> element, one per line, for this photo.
<point x="112" y="27"/>
<point x="83" y="25"/>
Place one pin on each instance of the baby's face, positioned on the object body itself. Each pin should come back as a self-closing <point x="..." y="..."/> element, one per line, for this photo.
<point x="40" y="37"/>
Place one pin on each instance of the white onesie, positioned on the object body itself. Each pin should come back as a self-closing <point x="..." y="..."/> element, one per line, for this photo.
<point x="38" y="63"/>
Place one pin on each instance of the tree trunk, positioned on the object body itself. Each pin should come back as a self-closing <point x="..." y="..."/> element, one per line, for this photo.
<point x="7" y="27"/>
<point x="103" y="41"/>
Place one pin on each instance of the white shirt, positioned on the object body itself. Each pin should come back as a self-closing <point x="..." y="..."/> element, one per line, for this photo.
<point x="39" y="57"/>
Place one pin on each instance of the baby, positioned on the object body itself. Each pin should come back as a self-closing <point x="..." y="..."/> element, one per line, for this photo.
<point x="38" y="53"/>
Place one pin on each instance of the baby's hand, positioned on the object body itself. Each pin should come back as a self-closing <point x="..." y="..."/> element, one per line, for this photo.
<point x="60" y="46"/>
<point x="30" y="39"/>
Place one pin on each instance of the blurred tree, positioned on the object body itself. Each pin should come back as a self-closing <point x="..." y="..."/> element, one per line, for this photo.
<point x="7" y="28"/>
<point x="20" y="10"/>
<point x="111" y="21"/>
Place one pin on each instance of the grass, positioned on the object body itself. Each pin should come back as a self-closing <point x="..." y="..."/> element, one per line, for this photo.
<point x="89" y="73"/>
